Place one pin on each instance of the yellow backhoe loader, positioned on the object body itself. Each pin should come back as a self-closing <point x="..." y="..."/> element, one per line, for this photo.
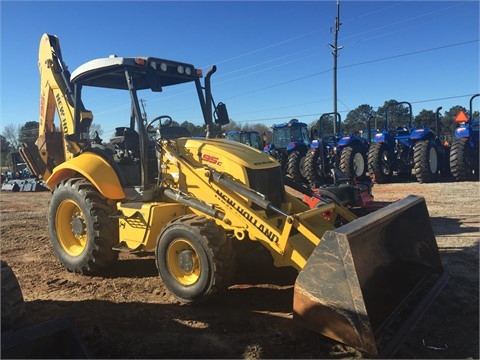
<point x="362" y="281"/>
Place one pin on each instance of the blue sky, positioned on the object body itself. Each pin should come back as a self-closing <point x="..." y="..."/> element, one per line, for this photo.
<point x="273" y="58"/>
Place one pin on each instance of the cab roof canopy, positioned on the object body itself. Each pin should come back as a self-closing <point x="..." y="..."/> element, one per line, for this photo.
<point x="146" y="73"/>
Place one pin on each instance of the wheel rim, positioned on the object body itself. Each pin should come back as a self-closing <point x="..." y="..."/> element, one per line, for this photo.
<point x="358" y="164"/>
<point x="71" y="228"/>
<point x="433" y="160"/>
<point x="183" y="262"/>
<point x="384" y="162"/>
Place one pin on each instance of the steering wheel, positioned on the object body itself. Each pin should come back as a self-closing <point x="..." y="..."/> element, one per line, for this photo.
<point x="167" y="122"/>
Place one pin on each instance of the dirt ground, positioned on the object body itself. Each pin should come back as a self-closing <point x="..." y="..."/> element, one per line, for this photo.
<point x="128" y="313"/>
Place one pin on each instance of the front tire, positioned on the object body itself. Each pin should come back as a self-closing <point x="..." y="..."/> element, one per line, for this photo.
<point x="426" y="161"/>
<point x="379" y="163"/>
<point x="194" y="258"/>
<point x="81" y="232"/>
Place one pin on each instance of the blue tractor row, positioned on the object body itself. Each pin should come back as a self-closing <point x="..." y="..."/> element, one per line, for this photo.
<point x="406" y="148"/>
<point x="311" y="158"/>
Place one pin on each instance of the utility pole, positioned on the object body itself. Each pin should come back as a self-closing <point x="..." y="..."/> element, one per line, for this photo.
<point x="335" y="49"/>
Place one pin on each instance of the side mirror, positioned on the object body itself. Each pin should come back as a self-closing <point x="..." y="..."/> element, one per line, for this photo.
<point x="221" y="114"/>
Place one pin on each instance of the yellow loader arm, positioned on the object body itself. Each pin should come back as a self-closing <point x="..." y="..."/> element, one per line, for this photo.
<point x="357" y="276"/>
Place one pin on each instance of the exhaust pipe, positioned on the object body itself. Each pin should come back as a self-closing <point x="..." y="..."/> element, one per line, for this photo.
<point x="366" y="275"/>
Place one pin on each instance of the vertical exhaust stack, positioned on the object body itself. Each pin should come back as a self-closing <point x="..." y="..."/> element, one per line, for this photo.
<point x="368" y="282"/>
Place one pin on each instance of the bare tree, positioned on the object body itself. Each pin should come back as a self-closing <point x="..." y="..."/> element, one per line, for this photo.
<point x="11" y="133"/>
<point x="95" y="129"/>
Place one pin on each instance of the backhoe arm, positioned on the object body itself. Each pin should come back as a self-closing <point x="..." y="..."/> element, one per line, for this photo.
<point x="55" y="145"/>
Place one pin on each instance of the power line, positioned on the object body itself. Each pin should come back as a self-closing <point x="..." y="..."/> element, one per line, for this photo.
<point x="318" y="30"/>
<point x="400" y="22"/>
<point x="408" y="54"/>
<point x="295" y="37"/>
<point x="352" y="65"/>
<point x="346" y="111"/>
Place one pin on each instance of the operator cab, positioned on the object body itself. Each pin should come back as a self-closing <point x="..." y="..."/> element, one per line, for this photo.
<point x="134" y="145"/>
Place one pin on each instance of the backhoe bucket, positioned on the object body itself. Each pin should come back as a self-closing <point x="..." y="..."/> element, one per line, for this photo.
<point x="26" y="185"/>
<point x="368" y="282"/>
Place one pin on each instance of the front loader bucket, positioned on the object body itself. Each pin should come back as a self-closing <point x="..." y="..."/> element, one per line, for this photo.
<point x="368" y="282"/>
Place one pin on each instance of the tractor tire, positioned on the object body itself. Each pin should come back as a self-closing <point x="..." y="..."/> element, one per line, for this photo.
<point x="461" y="160"/>
<point x="81" y="232"/>
<point x="313" y="169"/>
<point x="426" y="161"/>
<point x="379" y="165"/>
<point x="303" y="169"/>
<point x="353" y="161"/>
<point x="310" y="167"/>
<point x="194" y="258"/>
<point x="13" y="304"/>
<point x="295" y="166"/>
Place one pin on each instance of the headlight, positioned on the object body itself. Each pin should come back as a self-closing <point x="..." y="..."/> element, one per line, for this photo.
<point x="163" y="67"/>
<point x="180" y="69"/>
<point x="188" y="71"/>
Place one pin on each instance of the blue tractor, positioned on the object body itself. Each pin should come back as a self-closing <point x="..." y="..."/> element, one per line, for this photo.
<point x="405" y="148"/>
<point x="464" y="159"/>
<point x="290" y="143"/>
<point x="347" y="153"/>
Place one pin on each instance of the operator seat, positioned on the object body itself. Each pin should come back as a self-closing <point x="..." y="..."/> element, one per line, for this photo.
<point x="127" y="141"/>
<point x="131" y="142"/>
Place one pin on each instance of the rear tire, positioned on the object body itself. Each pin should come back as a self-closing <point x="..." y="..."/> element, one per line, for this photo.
<point x="379" y="163"/>
<point x="295" y="162"/>
<point x="353" y="162"/>
<point x="81" y="232"/>
<point x="194" y="258"/>
<point x="461" y="160"/>
<point x="426" y="161"/>
<point x="13" y="304"/>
